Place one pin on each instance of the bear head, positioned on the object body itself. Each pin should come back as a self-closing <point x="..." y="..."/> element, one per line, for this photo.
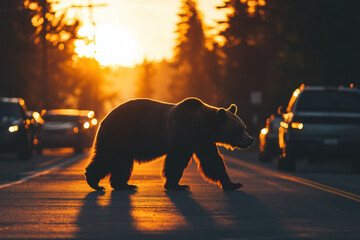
<point x="232" y="132"/>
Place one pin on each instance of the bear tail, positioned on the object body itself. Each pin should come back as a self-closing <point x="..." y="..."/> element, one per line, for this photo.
<point x="95" y="171"/>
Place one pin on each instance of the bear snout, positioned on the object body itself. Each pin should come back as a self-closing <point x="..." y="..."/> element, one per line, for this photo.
<point x="247" y="140"/>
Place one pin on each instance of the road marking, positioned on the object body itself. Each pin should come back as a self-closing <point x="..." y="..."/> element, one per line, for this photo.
<point x="304" y="181"/>
<point x="42" y="171"/>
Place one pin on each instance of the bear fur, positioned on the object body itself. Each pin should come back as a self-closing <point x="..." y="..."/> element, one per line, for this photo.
<point x="143" y="129"/>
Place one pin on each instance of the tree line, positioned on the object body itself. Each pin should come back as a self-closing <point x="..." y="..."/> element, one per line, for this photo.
<point x="267" y="49"/>
<point x="70" y="82"/>
<point x="270" y="48"/>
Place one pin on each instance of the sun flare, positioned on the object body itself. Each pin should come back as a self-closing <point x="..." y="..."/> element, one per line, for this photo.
<point x="113" y="45"/>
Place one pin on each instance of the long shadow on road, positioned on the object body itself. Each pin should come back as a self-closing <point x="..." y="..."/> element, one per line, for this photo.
<point x="106" y="217"/>
<point x="207" y="215"/>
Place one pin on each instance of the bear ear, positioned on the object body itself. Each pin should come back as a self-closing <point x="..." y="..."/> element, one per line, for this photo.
<point x="233" y="108"/>
<point x="221" y="113"/>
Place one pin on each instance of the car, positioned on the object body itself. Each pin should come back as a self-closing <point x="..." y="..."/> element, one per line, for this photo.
<point x="269" y="139"/>
<point x="320" y="123"/>
<point x="16" y="128"/>
<point x="63" y="128"/>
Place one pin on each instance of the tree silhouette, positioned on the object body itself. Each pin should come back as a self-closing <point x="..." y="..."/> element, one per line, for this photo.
<point x="189" y="54"/>
<point x="145" y="80"/>
<point x="248" y="49"/>
<point x="19" y="54"/>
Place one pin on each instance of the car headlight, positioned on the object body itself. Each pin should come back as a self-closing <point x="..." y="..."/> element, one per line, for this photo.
<point x="264" y="131"/>
<point x="94" y="121"/>
<point x="13" y="128"/>
<point x="86" y="125"/>
<point x="297" y="125"/>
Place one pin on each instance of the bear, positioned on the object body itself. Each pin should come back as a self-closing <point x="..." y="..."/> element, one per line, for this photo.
<point x="142" y="130"/>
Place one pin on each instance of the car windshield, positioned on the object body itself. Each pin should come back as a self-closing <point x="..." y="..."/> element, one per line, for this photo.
<point x="329" y="101"/>
<point x="61" y="118"/>
<point x="10" y="109"/>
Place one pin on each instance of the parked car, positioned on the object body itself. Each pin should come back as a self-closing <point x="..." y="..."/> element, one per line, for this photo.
<point x="320" y="123"/>
<point x="16" y="128"/>
<point x="63" y="128"/>
<point x="269" y="139"/>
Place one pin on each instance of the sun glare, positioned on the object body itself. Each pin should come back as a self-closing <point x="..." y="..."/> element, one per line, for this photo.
<point x="113" y="45"/>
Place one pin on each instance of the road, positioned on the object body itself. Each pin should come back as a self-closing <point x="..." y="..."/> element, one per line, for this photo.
<point x="48" y="198"/>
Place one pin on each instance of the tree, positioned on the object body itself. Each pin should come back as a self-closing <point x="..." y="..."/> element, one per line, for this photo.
<point x="145" y="80"/>
<point x="19" y="56"/>
<point x="248" y="52"/>
<point x="55" y="35"/>
<point x="190" y="59"/>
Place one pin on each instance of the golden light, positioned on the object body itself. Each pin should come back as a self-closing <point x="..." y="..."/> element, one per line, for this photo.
<point x="21" y="101"/>
<point x="86" y="125"/>
<point x="94" y="121"/>
<point x="297" y="125"/>
<point x="113" y="45"/>
<point x="75" y="130"/>
<point x="264" y="131"/>
<point x="284" y="125"/>
<point x="91" y="114"/>
<point x="296" y="93"/>
<point x="36" y="115"/>
<point x="13" y="128"/>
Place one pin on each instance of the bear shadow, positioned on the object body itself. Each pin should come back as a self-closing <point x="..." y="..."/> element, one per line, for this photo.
<point x="254" y="219"/>
<point x="191" y="210"/>
<point x="107" y="220"/>
<point x="105" y="216"/>
<point x="249" y="217"/>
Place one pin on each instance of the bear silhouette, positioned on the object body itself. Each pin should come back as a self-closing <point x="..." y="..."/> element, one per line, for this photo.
<point x="143" y="129"/>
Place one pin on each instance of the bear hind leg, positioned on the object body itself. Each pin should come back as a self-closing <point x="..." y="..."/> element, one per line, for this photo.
<point x="174" y="166"/>
<point x="121" y="174"/>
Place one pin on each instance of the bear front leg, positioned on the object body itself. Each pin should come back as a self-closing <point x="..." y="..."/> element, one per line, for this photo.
<point x="94" y="172"/>
<point x="121" y="171"/>
<point x="174" y="166"/>
<point x="213" y="167"/>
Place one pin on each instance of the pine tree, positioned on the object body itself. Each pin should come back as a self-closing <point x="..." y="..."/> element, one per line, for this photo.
<point x="19" y="56"/>
<point x="248" y="51"/>
<point x="189" y="54"/>
<point x="145" y="80"/>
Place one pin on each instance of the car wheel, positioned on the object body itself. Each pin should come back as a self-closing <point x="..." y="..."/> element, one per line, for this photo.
<point x="264" y="157"/>
<point x="286" y="163"/>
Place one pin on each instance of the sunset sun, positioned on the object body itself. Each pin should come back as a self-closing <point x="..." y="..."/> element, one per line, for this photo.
<point x="113" y="45"/>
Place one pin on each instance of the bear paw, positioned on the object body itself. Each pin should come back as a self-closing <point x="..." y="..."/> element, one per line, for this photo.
<point x="124" y="187"/>
<point x="177" y="187"/>
<point x="93" y="182"/>
<point x="231" y="186"/>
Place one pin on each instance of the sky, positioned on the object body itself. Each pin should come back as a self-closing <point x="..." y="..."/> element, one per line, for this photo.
<point x="136" y="29"/>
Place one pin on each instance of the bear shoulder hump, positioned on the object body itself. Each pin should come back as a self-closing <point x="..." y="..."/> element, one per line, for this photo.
<point x="192" y="102"/>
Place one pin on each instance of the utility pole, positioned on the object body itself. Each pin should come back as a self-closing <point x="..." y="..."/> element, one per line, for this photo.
<point x="45" y="63"/>
<point x="91" y="16"/>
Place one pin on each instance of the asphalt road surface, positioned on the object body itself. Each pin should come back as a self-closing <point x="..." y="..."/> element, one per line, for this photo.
<point x="48" y="198"/>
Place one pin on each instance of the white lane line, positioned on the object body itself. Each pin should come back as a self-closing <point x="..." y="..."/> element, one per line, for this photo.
<point x="43" y="171"/>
